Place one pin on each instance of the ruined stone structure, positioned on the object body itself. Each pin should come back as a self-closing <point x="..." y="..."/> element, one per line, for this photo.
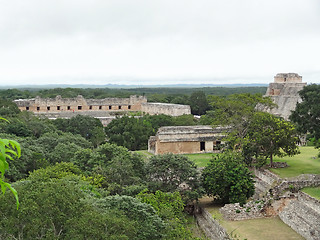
<point x="284" y="92"/>
<point x="210" y="226"/>
<point x="186" y="139"/>
<point x="104" y="109"/>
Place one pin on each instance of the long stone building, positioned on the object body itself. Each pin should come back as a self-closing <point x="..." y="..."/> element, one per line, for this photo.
<point x="105" y="109"/>
<point x="186" y="139"/>
<point x="284" y="92"/>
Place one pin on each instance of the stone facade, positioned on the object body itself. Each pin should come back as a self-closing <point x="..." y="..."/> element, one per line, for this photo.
<point x="79" y="104"/>
<point x="186" y="139"/>
<point x="165" y="108"/>
<point x="284" y="92"/>
<point x="104" y="109"/>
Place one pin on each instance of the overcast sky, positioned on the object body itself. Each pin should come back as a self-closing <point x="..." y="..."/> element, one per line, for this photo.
<point x="157" y="41"/>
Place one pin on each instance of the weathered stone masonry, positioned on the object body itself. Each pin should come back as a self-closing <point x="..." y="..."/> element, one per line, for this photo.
<point x="284" y="92"/>
<point x="104" y="109"/>
<point x="186" y="139"/>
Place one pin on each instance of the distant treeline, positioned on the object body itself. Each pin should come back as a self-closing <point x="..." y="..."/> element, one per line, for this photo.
<point x="154" y="94"/>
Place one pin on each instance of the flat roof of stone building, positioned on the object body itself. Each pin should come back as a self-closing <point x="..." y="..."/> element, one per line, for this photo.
<point x="189" y="129"/>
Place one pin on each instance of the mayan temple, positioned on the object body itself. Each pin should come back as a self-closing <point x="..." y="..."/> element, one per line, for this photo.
<point x="284" y="92"/>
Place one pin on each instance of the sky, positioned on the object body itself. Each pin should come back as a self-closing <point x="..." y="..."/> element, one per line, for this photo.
<point x="145" y="42"/>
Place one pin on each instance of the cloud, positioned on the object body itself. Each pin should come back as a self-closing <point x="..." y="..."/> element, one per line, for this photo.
<point x="158" y="39"/>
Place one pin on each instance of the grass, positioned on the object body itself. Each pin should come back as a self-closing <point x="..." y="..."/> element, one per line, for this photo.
<point x="305" y="162"/>
<point x="200" y="159"/>
<point x="312" y="191"/>
<point x="261" y="229"/>
<point x="253" y="229"/>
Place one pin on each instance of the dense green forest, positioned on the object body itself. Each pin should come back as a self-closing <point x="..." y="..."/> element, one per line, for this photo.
<point x="153" y="94"/>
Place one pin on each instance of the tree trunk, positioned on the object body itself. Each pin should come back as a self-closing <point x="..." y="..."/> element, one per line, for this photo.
<point x="271" y="160"/>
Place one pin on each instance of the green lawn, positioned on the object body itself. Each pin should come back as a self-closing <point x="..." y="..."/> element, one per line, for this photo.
<point x="200" y="159"/>
<point x="253" y="229"/>
<point x="312" y="191"/>
<point x="306" y="162"/>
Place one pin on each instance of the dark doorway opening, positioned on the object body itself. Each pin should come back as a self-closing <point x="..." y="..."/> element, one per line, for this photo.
<point x="202" y="146"/>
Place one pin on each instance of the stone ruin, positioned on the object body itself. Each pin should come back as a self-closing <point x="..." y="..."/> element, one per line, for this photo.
<point x="104" y="109"/>
<point x="283" y="198"/>
<point x="186" y="139"/>
<point x="284" y="92"/>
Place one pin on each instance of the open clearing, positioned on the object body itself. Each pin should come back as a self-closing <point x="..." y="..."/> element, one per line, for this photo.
<point x="305" y="162"/>
<point x="254" y="229"/>
<point x="200" y="159"/>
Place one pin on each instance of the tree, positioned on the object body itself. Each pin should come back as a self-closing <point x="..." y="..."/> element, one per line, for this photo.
<point x="60" y="208"/>
<point x="227" y="178"/>
<point x="269" y="136"/>
<point x="88" y="127"/>
<point x="198" y="103"/>
<point x="132" y="133"/>
<point x="307" y="113"/>
<point x="119" y="168"/>
<point x="236" y="112"/>
<point x="169" y="172"/>
<point x="8" y="108"/>
<point x="148" y="225"/>
<point x="169" y="206"/>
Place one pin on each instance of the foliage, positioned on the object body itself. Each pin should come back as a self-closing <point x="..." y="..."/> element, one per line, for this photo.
<point x="58" y="209"/>
<point x="130" y="132"/>
<point x="32" y="157"/>
<point x="88" y="127"/>
<point x="18" y="128"/>
<point x="307" y="113"/>
<point x="147" y="224"/>
<point x="198" y="103"/>
<point x="133" y="133"/>
<point x="235" y="111"/>
<point x="184" y="120"/>
<point x="170" y="173"/>
<point x="118" y="167"/>
<point x="8" y="150"/>
<point x="169" y="206"/>
<point x="228" y="179"/>
<point x="269" y="136"/>
<point x="57" y="171"/>
<point x="8" y="108"/>
<point x="60" y="146"/>
<point x="160" y="94"/>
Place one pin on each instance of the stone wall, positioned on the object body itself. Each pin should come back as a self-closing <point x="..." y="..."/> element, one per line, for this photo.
<point x="165" y="108"/>
<point x="184" y="147"/>
<point x="296" y="183"/>
<point x="264" y="181"/>
<point x="303" y="216"/>
<point x="104" y="109"/>
<point x="212" y="229"/>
